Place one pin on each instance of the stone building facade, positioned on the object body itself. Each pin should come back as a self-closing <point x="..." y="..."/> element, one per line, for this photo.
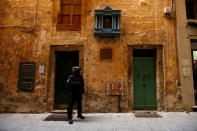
<point x="48" y="37"/>
<point x="186" y="32"/>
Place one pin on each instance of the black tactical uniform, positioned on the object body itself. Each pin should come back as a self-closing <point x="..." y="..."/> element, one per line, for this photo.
<point x="76" y="85"/>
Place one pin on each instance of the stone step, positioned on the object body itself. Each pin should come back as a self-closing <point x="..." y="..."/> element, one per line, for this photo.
<point x="62" y="111"/>
<point x="194" y="108"/>
<point x="59" y="111"/>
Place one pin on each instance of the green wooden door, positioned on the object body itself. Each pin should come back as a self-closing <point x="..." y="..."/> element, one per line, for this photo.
<point x="144" y="83"/>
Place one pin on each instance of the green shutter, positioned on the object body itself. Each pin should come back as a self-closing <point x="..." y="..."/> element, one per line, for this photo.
<point x="26" y="76"/>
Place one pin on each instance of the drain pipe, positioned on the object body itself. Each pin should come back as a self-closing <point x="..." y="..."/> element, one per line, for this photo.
<point x="34" y="22"/>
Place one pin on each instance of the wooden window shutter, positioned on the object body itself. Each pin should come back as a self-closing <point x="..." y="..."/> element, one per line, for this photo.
<point x="26" y="76"/>
<point x="70" y="17"/>
<point x="76" y="18"/>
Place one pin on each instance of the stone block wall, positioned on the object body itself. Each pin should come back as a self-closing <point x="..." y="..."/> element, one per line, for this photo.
<point x="28" y="30"/>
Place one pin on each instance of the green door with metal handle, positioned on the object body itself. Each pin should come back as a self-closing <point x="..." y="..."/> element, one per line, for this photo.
<point x="144" y="81"/>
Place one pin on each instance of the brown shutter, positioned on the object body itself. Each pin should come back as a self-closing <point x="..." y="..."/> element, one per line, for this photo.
<point x="70" y="15"/>
<point x="76" y="14"/>
<point x="76" y="2"/>
<point x="66" y="11"/>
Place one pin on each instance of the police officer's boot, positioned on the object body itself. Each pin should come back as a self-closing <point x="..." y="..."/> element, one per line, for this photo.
<point x="80" y="116"/>
<point x="70" y="121"/>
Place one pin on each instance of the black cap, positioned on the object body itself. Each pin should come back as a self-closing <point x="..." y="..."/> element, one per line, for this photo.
<point x="76" y="68"/>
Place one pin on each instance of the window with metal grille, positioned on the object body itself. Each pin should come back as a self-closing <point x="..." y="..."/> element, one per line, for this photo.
<point x="106" y="54"/>
<point x="26" y="76"/>
<point x="70" y="15"/>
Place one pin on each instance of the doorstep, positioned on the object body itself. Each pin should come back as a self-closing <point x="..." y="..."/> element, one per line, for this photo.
<point x="62" y="111"/>
<point x="194" y="108"/>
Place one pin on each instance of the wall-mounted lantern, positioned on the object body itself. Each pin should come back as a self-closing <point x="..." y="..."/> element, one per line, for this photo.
<point x="107" y="23"/>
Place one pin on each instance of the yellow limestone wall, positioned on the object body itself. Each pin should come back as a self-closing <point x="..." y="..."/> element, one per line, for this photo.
<point x="28" y="29"/>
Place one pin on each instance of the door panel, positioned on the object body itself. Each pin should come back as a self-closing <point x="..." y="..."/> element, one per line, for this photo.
<point x="138" y="78"/>
<point x="144" y="83"/>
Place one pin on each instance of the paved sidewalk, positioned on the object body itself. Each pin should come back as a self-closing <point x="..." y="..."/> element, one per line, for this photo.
<point x="170" y="121"/>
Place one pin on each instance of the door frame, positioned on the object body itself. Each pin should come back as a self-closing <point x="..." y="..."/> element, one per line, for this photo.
<point x="160" y="88"/>
<point x="51" y="69"/>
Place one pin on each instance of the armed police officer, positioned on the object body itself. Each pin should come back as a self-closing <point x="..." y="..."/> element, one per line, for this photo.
<point x="75" y="83"/>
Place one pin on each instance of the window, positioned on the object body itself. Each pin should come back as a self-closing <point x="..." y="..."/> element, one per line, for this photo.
<point x="191" y="9"/>
<point x="107" y="23"/>
<point x="26" y="76"/>
<point x="70" y="15"/>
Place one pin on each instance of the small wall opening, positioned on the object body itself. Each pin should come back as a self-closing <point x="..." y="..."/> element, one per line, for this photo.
<point x="144" y="52"/>
<point x="144" y="79"/>
<point x="65" y="60"/>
